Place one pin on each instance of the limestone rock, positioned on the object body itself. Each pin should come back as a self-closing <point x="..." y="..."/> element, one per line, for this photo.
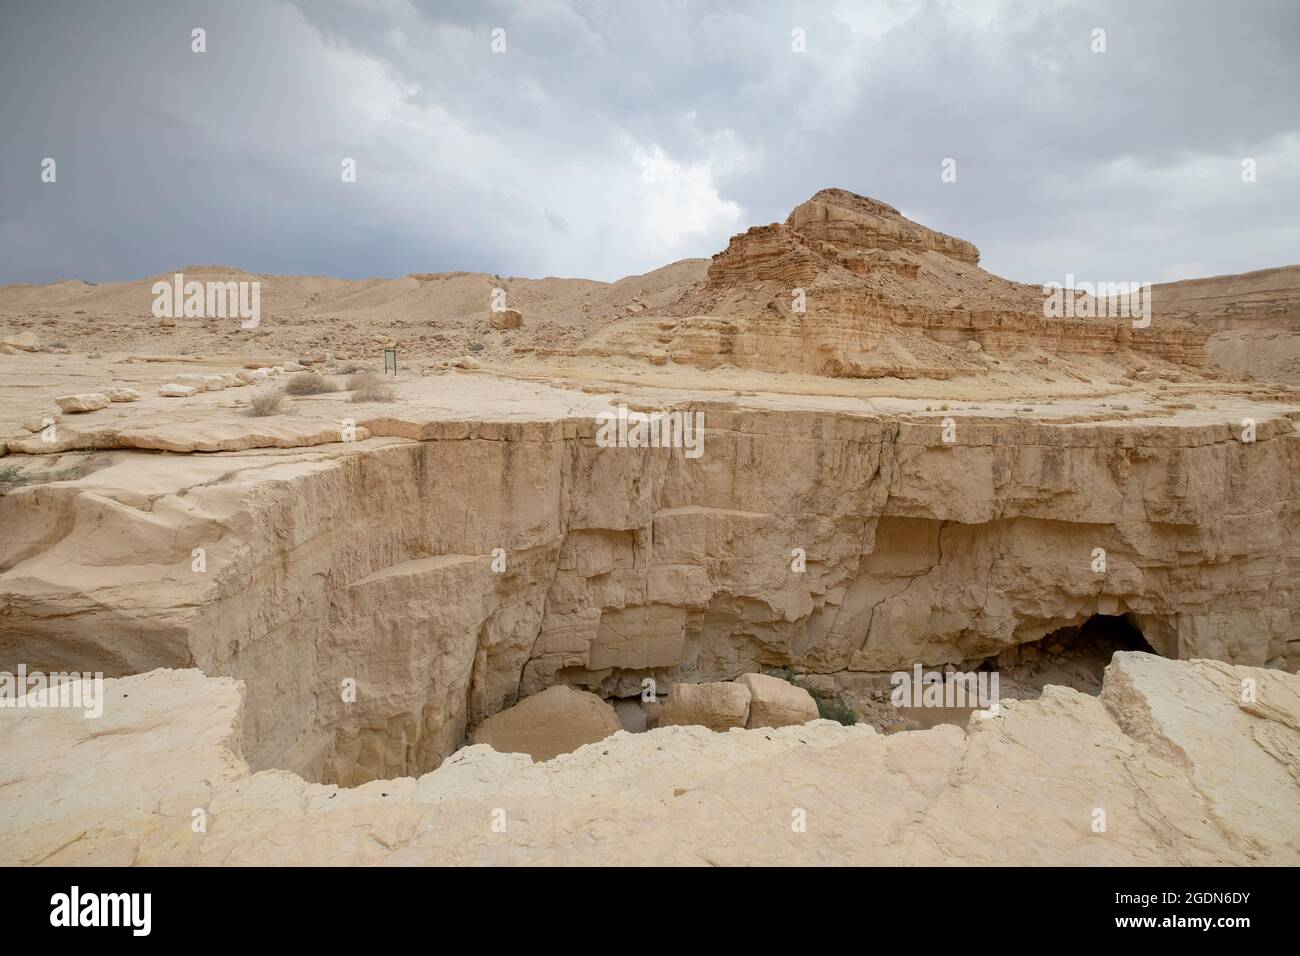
<point x="84" y="402"/>
<point x="776" y="703"/>
<point x="1188" y="774"/>
<point x="38" y="422"/>
<point x="21" y="341"/>
<point x="123" y="394"/>
<point x="559" y="720"/>
<point x="172" y="390"/>
<point x="507" y="319"/>
<point x="718" y="706"/>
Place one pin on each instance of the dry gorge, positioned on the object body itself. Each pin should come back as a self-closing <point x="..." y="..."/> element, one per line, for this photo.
<point x="442" y="621"/>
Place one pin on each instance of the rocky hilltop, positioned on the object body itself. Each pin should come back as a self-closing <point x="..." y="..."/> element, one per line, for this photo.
<point x="848" y="287"/>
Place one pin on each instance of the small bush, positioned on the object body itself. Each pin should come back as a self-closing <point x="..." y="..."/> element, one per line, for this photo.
<point x="349" y="368"/>
<point x="309" y="383"/>
<point x="829" y="707"/>
<point x="834" y="708"/>
<point x="369" y="387"/>
<point x="269" y="401"/>
<point x="11" y="476"/>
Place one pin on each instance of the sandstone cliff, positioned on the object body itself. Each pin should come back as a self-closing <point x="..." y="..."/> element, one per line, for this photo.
<point x="374" y="560"/>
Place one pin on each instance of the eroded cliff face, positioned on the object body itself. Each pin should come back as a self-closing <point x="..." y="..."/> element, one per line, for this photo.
<point x="445" y="568"/>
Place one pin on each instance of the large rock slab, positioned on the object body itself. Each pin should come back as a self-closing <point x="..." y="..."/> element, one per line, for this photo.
<point x="777" y="703"/>
<point x="557" y="721"/>
<point x="718" y="706"/>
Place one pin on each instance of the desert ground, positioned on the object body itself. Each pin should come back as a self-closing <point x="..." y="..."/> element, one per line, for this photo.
<point x="346" y="615"/>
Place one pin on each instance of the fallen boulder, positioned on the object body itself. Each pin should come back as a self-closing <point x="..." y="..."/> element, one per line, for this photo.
<point x="774" y="702"/>
<point x="718" y="706"/>
<point x="557" y="721"/>
<point x="38" y="422"/>
<point x="83" y="402"/>
<point x="21" y="341"/>
<point x="507" y="319"/>
<point x="172" y="390"/>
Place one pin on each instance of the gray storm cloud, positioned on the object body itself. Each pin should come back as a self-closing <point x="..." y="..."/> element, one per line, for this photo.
<point x="611" y="138"/>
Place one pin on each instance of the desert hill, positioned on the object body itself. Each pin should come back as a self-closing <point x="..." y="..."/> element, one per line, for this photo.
<point x="845" y="287"/>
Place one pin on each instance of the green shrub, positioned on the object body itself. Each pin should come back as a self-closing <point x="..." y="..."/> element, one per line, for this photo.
<point x="11" y="476"/>
<point x="834" y="708"/>
<point x="829" y="706"/>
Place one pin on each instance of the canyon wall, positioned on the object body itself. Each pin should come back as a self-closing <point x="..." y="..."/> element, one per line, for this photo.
<point x="378" y="597"/>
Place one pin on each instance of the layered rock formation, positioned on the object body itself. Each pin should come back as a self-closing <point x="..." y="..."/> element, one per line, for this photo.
<point x="1175" y="764"/>
<point x="848" y="287"/>
<point x="1254" y="319"/>
<point x="451" y="566"/>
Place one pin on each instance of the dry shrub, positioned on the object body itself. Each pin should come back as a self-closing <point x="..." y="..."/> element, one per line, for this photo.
<point x="369" y="387"/>
<point x="268" y="401"/>
<point x="309" y="383"/>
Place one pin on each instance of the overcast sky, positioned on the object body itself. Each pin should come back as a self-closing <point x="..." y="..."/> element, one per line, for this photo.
<point x="610" y="138"/>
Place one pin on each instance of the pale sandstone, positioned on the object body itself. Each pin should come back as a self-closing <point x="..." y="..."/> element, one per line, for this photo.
<point x="173" y="390"/>
<point x="557" y="721"/>
<point x="507" y="319"/>
<point x="1186" y="774"/>
<point x="625" y="564"/>
<point x="776" y="703"/>
<point x="123" y="394"/>
<point x="716" y="705"/>
<point x="38" y="422"/>
<point x="84" y="402"/>
<point x="374" y="558"/>
<point x="20" y="341"/>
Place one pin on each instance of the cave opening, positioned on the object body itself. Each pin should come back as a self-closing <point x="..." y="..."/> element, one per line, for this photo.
<point x="1117" y="631"/>
<point x="1074" y="656"/>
